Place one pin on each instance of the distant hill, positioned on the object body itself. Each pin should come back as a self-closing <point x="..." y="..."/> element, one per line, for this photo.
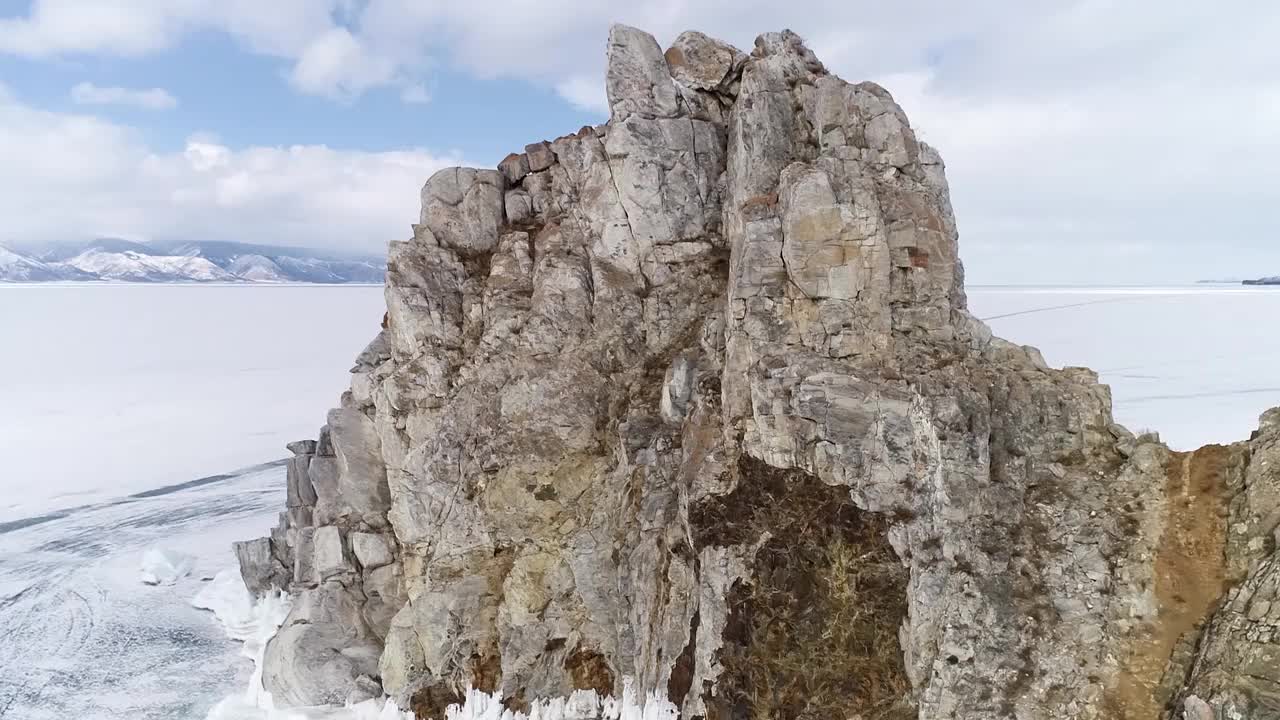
<point x="1273" y="280"/>
<point x="115" y="260"/>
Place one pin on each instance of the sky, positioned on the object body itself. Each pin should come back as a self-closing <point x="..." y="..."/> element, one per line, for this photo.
<point x="1086" y="142"/>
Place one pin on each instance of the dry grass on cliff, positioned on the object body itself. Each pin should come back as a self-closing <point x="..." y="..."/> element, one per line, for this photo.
<point x="816" y="634"/>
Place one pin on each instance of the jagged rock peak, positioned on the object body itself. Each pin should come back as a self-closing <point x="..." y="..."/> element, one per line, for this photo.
<point x="691" y="403"/>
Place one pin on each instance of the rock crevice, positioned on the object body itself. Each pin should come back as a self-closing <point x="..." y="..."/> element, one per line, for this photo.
<point x="687" y="401"/>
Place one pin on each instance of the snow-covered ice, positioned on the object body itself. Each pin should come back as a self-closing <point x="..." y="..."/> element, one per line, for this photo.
<point x="1196" y="363"/>
<point x="114" y="389"/>
<point x="80" y="637"/>
<point x="254" y="623"/>
<point x="162" y="566"/>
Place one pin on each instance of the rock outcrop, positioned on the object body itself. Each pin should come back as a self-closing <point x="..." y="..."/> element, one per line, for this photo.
<point x="692" y="402"/>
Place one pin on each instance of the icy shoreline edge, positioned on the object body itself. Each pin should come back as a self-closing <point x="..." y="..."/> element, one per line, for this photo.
<point x="254" y="622"/>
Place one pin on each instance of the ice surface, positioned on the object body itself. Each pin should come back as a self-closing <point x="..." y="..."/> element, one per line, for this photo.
<point x="114" y="389"/>
<point x="1197" y="364"/>
<point x="254" y="623"/>
<point x="161" y="566"/>
<point x="80" y="637"/>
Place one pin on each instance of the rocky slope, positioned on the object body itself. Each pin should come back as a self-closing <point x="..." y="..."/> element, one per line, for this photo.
<point x="692" y="401"/>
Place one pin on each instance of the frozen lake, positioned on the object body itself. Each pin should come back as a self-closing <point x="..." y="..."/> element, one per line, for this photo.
<point x="82" y="637"/>
<point x="1198" y="364"/>
<point x="112" y="389"/>
<point x="127" y="410"/>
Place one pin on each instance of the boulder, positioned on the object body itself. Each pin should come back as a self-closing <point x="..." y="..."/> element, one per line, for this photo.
<point x="463" y="208"/>
<point x="514" y="167"/>
<point x="362" y="494"/>
<point x="322" y="650"/>
<point x="300" y="491"/>
<point x="372" y="550"/>
<point x="539" y="156"/>
<point x="330" y="553"/>
<point x="260" y="568"/>
<point x="703" y="63"/>
<point x="638" y="81"/>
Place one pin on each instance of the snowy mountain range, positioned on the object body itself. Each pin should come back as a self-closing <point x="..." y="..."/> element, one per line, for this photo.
<point x="113" y="260"/>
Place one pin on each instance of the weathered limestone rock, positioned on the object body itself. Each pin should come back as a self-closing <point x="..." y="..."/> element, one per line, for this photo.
<point x="372" y="551"/>
<point x="638" y="81"/>
<point x="329" y="552"/>
<point x="301" y="493"/>
<point x="361" y="470"/>
<point x="702" y="63"/>
<point x="463" y="207"/>
<point x="692" y="402"/>
<point x="514" y="167"/>
<point x="322" y="651"/>
<point x="539" y="156"/>
<point x="259" y="566"/>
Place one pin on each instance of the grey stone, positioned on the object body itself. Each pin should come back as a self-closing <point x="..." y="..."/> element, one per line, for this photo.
<point x="385" y="593"/>
<point x="302" y="447"/>
<point x="320" y="653"/>
<point x="519" y="206"/>
<point x="638" y="81"/>
<point x="463" y="208"/>
<point x="374" y="354"/>
<point x="372" y="550"/>
<point x="514" y="167"/>
<point x="539" y="156"/>
<point x="703" y="63"/>
<point x="304" y="561"/>
<point x="261" y="570"/>
<point x="323" y="474"/>
<point x="364" y="688"/>
<point x="324" y="448"/>
<point x="362" y="476"/>
<point x="300" y="492"/>
<point x="1193" y="708"/>
<point x="330" y="553"/>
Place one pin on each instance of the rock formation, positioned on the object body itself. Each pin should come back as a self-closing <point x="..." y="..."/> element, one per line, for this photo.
<point x="692" y="401"/>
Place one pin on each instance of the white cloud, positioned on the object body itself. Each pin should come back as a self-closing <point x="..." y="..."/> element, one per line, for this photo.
<point x="55" y="27"/>
<point x="336" y="64"/>
<point x="585" y="93"/>
<point x="1071" y="129"/>
<point x="153" y="99"/>
<point x="72" y="177"/>
<point x="415" y="95"/>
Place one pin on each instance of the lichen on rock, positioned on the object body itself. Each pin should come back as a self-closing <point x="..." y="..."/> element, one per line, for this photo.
<point x="691" y="403"/>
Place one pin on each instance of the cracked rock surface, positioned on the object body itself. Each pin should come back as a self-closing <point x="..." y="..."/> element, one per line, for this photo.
<point x="692" y="400"/>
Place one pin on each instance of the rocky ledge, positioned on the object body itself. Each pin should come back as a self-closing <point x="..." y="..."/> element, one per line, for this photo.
<point x="691" y="402"/>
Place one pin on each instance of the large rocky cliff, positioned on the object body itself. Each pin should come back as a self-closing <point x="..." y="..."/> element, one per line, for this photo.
<point x="691" y="401"/>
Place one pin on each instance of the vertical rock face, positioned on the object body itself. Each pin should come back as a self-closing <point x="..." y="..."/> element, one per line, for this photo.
<point x="692" y="401"/>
